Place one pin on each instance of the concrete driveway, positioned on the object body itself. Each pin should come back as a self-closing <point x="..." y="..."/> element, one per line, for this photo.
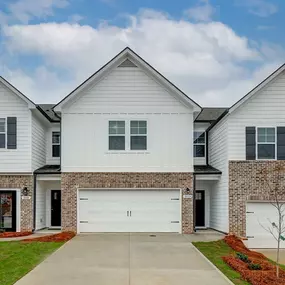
<point x="125" y="259"/>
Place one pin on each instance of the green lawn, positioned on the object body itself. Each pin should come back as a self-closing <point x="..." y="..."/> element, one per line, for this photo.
<point x="214" y="251"/>
<point x="18" y="258"/>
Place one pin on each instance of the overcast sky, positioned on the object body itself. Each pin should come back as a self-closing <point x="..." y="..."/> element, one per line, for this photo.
<point x="215" y="51"/>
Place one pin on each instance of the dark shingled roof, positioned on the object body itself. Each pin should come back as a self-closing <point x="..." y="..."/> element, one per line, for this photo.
<point x="210" y="114"/>
<point x="48" y="169"/>
<point x="47" y="109"/>
<point x="206" y="169"/>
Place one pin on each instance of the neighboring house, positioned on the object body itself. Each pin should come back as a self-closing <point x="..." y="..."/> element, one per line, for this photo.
<point x="127" y="151"/>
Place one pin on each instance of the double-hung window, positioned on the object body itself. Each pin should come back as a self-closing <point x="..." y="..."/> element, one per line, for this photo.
<point x="3" y="132"/>
<point x="55" y="144"/>
<point x="138" y="138"/>
<point x="117" y="133"/>
<point x="199" y="144"/>
<point x="266" y="143"/>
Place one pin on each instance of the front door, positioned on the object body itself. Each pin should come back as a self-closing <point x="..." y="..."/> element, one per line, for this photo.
<point x="200" y="208"/>
<point x="55" y="208"/>
<point x="8" y="211"/>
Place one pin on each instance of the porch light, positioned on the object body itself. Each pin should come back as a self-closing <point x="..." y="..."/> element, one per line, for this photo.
<point x="25" y="191"/>
<point x="187" y="189"/>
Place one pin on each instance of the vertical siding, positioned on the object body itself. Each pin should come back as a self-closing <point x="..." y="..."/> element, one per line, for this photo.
<point x="218" y="158"/>
<point x="265" y="108"/>
<point x="41" y="206"/>
<point x="38" y="144"/>
<point x="16" y="160"/>
<point x="49" y="159"/>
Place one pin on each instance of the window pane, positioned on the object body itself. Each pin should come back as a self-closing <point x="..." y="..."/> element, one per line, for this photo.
<point x="138" y="143"/>
<point x="261" y="138"/>
<point x="2" y="140"/>
<point x="134" y="124"/>
<point x="116" y="127"/>
<point x="2" y="125"/>
<point x="56" y="137"/>
<point x="266" y="151"/>
<point x="116" y="143"/>
<point x="199" y="137"/>
<point x="142" y="124"/>
<point x="270" y="131"/>
<point x="56" y="151"/>
<point x="138" y="127"/>
<point x="199" y="151"/>
<point x="266" y="135"/>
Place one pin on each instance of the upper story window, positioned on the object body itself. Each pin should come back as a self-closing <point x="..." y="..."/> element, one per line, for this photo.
<point x="55" y="144"/>
<point x="117" y="135"/>
<point x="199" y="144"/>
<point x="2" y="133"/>
<point x="266" y="143"/>
<point x="138" y="135"/>
<point x="127" y="135"/>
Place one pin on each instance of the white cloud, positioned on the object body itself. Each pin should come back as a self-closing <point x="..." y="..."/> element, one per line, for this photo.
<point x="24" y="10"/>
<point x="209" y="61"/>
<point x="261" y="8"/>
<point x="76" y="18"/>
<point x="202" y="12"/>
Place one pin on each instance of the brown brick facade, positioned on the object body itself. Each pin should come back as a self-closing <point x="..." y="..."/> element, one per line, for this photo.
<point x="18" y="182"/>
<point x="246" y="182"/>
<point x="71" y="181"/>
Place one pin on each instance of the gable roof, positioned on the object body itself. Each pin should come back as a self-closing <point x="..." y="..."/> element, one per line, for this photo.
<point x="119" y="59"/>
<point x="210" y="114"/>
<point x="13" y="89"/>
<point x="257" y="88"/>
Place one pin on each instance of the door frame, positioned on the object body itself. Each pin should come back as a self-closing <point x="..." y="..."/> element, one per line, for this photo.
<point x="205" y="226"/>
<point x="127" y="189"/>
<point x="18" y="206"/>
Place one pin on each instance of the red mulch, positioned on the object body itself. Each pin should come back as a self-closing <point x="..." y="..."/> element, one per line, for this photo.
<point x="14" y="235"/>
<point x="265" y="276"/>
<point x="64" y="236"/>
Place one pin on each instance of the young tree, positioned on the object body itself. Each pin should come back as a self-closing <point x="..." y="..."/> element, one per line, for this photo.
<point x="274" y="180"/>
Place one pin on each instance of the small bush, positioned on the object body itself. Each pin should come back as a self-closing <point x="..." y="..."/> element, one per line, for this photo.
<point x="254" y="266"/>
<point x="243" y="257"/>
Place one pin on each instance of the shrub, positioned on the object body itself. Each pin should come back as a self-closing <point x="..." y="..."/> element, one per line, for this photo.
<point x="243" y="257"/>
<point x="254" y="266"/>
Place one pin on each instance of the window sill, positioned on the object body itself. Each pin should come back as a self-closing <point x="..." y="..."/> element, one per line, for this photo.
<point x="127" y="152"/>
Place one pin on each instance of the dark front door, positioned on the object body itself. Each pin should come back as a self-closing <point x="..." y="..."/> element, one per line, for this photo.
<point x="200" y="208"/>
<point x="55" y="208"/>
<point x="8" y="211"/>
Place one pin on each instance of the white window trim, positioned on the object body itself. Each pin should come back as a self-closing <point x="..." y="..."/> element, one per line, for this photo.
<point x="257" y="143"/>
<point x="204" y="144"/>
<point x="6" y="127"/>
<point x="138" y="135"/>
<point x="116" y="135"/>
<point x="52" y="143"/>
<point x="128" y="137"/>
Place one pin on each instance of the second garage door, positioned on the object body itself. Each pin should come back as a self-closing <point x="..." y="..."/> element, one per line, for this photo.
<point x="259" y="215"/>
<point x="129" y="211"/>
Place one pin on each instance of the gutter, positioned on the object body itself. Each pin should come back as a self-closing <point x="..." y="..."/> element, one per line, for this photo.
<point x="34" y="202"/>
<point x="194" y="202"/>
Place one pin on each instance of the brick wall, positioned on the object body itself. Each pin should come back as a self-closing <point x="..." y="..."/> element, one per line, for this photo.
<point x="71" y="181"/>
<point x="248" y="182"/>
<point x="18" y="182"/>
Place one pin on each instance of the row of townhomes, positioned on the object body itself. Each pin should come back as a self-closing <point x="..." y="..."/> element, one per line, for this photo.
<point x="127" y="151"/>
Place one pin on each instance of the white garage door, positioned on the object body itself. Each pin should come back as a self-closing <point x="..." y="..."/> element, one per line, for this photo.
<point x="129" y="211"/>
<point x="258" y="216"/>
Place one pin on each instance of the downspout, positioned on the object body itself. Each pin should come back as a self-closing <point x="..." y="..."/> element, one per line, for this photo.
<point x="34" y="202"/>
<point x="207" y="148"/>
<point x="194" y="202"/>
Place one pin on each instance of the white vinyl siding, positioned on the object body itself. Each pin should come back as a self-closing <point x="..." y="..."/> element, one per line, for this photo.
<point x="264" y="109"/>
<point x="218" y="158"/>
<point x="40" y="206"/>
<point x="127" y="94"/>
<point x="38" y="144"/>
<point x="16" y="160"/>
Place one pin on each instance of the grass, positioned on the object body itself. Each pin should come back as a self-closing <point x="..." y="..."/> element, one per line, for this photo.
<point x="18" y="258"/>
<point x="214" y="251"/>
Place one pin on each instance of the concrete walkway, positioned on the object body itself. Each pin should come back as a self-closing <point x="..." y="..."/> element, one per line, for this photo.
<point x="125" y="259"/>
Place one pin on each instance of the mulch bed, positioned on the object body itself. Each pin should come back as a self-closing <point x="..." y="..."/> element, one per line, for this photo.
<point x="61" y="237"/>
<point x="14" y="235"/>
<point x="265" y="276"/>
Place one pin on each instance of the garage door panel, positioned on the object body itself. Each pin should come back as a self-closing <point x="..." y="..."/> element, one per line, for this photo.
<point x="259" y="216"/>
<point x="129" y="211"/>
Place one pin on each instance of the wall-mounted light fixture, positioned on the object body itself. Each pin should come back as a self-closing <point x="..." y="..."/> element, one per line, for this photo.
<point x="187" y="189"/>
<point x="25" y="191"/>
